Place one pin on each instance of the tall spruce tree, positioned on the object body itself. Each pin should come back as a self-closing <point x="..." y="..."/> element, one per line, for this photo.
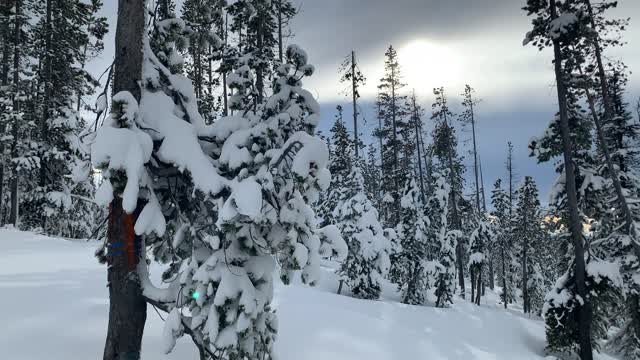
<point x="527" y="234"/>
<point x="392" y="114"/>
<point x="503" y="241"/>
<point x="367" y="262"/>
<point x="445" y="144"/>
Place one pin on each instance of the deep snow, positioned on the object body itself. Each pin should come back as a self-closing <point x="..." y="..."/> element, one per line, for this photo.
<point x="54" y="306"/>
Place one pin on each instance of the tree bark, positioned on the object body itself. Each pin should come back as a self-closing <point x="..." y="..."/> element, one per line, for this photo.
<point x="584" y="312"/>
<point x="46" y="80"/>
<point x="4" y="81"/>
<point x="416" y="119"/>
<point x="15" y="180"/>
<point x="475" y="152"/>
<point x="354" y="88"/>
<point x="128" y="308"/>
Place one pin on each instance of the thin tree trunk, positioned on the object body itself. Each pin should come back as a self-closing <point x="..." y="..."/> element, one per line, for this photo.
<point x="396" y="200"/>
<point x="475" y="153"/>
<point x="525" y="280"/>
<point x="280" y="44"/>
<point x="505" y="295"/>
<point x="354" y="88"/>
<point x="260" y="46"/>
<point x="478" y="287"/>
<point x="44" y="131"/>
<point x="584" y="312"/>
<point x="472" y="275"/>
<point x="416" y="119"/>
<point x="484" y="199"/>
<point x="128" y="308"/>
<point x="6" y="55"/>
<point x="225" y="93"/>
<point x="15" y="180"/>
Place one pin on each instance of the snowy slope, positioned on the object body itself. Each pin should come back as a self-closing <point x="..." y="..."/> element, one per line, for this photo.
<point x="54" y="306"/>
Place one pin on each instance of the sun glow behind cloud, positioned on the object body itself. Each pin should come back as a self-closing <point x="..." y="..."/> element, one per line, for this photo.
<point x="426" y="64"/>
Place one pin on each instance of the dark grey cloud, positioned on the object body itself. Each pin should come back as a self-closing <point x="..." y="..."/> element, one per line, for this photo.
<point x="484" y="37"/>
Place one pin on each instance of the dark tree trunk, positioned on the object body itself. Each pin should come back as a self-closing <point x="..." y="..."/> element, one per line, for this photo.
<point x="4" y="81"/>
<point x="478" y="286"/>
<point x="280" y="44"/>
<point x="475" y="153"/>
<point x="419" y="157"/>
<point x="13" y="215"/>
<point x="472" y="275"/>
<point x="505" y="295"/>
<point x="128" y="308"/>
<point x="46" y="80"/>
<point x="584" y="312"/>
<point x="354" y="94"/>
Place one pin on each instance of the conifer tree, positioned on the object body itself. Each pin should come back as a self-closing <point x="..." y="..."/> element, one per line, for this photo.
<point x="350" y="73"/>
<point x="527" y="234"/>
<point x="445" y="150"/>
<point x="502" y="242"/>
<point x="392" y="113"/>
<point x="574" y="320"/>
<point x="367" y="262"/>
<point x="340" y="165"/>
<point x="441" y="244"/>
<point x="479" y="243"/>
<point x="469" y="117"/>
<point x="409" y="263"/>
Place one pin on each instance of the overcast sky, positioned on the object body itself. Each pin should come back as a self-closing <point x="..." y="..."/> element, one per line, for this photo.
<point x="443" y="43"/>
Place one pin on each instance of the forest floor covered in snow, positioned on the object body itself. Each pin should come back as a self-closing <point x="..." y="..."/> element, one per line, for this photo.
<point x="54" y="306"/>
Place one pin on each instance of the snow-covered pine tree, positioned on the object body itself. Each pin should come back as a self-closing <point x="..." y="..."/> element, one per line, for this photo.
<point x="367" y="262"/>
<point x="574" y="308"/>
<point x="441" y="244"/>
<point x="527" y="236"/>
<point x="341" y="162"/>
<point x="502" y="243"/>
<point x="371" y="175"/>
<point x="468" y="116"/>
<point x="479" y="243"/>
<point x="620" y="246"/>
<point x="18" y="118"/>
<point x="391" y="112"/>
<point x="205" y="19"/>
<point x="53" y="196"/>
<point x="445" y="145"/>
<point x="408" y="270"/>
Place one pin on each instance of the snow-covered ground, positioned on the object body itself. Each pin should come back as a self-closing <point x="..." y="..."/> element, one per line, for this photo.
<point x="54" y="306"/>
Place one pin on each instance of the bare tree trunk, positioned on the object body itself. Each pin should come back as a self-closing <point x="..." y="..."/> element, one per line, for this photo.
<point x="510" y="173"/>
<point x="280" y="45"/>
<point x="13" y="215"/>
<point x="478" y="287"/>
<point x="584" y="312"/>
<point x="416" y="120"/>
<point x="225" y="93"/>
<point x="128" y="308"/>
<point x="396" y="200"/>
<point x="354" y="94"/>
<point x="472" y="275"/>
<point x="4" y="81"/>
<point x="475" y="153"/>
<point x="484" y="198"/>
<point x="260" y="45"/>
<point x="525" y="275"/>
<point x="44" y="131"/>
<point x="505" y="295"/>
